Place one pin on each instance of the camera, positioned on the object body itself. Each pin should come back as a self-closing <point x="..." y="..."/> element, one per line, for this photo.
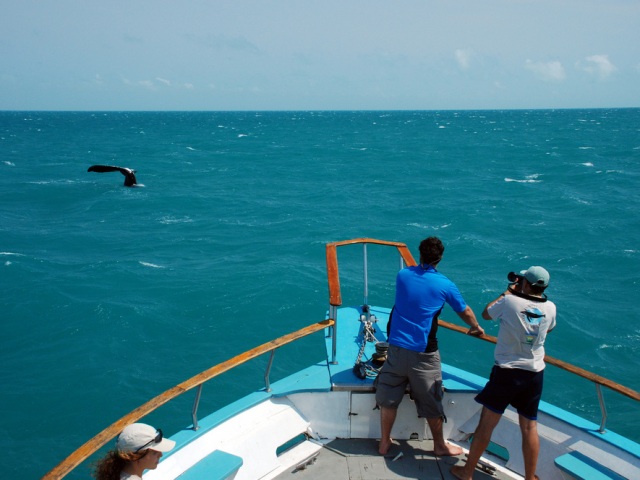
<point x="513" y="277"/>
<point x="515" y="282"/>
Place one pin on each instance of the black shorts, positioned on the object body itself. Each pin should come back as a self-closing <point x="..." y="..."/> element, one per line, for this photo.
<point x="513" y="386"/>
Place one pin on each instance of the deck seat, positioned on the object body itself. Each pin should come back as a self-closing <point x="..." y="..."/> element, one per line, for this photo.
<point x="582" y="467"/>
<point x="218" y="465"/>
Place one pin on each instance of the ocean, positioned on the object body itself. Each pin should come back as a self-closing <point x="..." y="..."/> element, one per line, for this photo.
<point x="111" y="295"/>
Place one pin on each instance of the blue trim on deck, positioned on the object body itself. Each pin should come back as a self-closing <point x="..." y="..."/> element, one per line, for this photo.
<point x="591" y="428"/>
<point x="312" y="379"/>
<point x="582" y="467"/>
<point x="218" y="465"/>
<point x="457" y="380"/>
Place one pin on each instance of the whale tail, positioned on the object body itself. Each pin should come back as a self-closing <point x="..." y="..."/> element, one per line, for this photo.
<point x="129" y="174"/>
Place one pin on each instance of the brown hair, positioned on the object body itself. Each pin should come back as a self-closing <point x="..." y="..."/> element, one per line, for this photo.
<point x="431" y="250"/>
<point x="110" y="467"/>
<point x="536" y="289"/>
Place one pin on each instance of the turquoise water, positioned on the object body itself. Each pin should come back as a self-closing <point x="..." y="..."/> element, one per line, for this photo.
<point x="110" y="295"/>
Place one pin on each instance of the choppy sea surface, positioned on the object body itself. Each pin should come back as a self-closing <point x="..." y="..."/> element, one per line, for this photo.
<point x="111" y="295"/>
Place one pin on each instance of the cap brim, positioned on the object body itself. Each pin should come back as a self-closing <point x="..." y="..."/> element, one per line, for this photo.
<point x="164" y="446"/>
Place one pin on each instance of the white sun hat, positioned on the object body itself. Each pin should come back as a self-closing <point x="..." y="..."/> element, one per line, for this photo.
<point x="139" y="436"/>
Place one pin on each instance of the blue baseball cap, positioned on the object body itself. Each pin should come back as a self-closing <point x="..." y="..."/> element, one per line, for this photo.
<point x="536" y="276"/>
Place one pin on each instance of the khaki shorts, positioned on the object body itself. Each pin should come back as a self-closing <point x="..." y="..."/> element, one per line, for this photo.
<point x="421" y="371"/>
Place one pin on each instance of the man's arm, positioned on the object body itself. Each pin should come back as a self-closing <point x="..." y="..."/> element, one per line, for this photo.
<point x="469" y="318"/>
<point x="485" y="312"/>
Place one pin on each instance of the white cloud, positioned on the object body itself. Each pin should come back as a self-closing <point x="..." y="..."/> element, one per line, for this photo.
<point x="147" y="84"/>
<point x="463" y="57"/>
<point x="156" y="83"/>
<point x="547" y="71"/>
<point x="599" y="66"/>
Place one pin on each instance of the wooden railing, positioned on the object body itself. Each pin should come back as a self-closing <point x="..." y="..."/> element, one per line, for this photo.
<point x="335" y="300"/>
<point x="335" y="297"/>
<point x="90" y="447"/>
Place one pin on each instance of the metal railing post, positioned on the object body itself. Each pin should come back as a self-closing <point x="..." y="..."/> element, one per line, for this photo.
<point x="333" y="314"/>
<point x="268" y="371"/>
<point x="194" y="410"/>
<point x="366" y="276"/>
<point x="603" y="408"/>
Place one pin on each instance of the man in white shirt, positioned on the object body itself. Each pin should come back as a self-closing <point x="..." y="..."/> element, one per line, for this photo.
<point x="525" y="316"/>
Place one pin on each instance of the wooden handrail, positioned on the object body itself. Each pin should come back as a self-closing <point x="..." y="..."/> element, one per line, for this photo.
<point x="616" y="387"/>
<point x="335" y="296"/>
<point x="90" y="447"/>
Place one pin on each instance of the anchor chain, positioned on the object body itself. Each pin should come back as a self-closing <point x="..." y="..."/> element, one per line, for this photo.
<point x="367" y="368"/>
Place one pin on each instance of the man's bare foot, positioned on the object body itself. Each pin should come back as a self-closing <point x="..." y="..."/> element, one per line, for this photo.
<point x="447" y="450"/>
<point x="384" y="446"/>
<point x="459" y="473"/>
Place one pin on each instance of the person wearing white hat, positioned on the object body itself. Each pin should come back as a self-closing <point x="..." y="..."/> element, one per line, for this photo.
<point x="138" y="448"/>
<point x="525" y="316"/>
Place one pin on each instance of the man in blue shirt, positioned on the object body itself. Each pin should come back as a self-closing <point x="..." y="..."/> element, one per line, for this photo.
<point x="413" y="357"/>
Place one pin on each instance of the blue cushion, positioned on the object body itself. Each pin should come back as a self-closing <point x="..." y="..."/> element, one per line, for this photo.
<point x="218" y="465"/>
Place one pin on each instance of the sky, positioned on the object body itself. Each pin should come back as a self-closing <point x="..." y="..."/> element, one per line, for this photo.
<point x="318" y="54"/>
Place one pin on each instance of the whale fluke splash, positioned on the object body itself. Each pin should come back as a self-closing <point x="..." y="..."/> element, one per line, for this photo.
<point x="129" y="174"/>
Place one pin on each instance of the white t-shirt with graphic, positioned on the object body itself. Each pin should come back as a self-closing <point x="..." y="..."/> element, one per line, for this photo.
<point x="524" y="325"/>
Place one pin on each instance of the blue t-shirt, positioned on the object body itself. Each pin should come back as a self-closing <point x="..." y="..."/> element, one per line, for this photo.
<point x="420" y="295"/>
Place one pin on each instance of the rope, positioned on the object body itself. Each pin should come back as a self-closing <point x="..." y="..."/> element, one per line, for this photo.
<point x="365" y="369"/>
